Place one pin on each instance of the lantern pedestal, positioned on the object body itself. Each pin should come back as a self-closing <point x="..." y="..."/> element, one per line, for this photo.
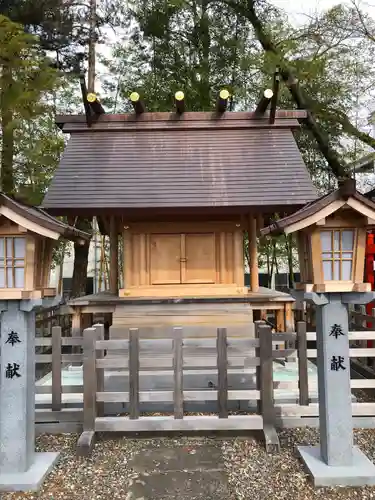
<point x="336" y="462"/>
<point x="21" y="469"/>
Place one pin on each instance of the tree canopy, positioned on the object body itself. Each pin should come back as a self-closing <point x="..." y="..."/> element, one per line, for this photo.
<point x="157" y="47"/>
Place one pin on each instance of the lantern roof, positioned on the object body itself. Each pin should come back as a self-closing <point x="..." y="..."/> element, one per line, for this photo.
<point x="346" y="196"/>
<point x="38" y="221"/>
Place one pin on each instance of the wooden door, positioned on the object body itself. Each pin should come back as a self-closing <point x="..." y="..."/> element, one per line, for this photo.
<point x="199" y="265"/>
<point x="165" y="258"/>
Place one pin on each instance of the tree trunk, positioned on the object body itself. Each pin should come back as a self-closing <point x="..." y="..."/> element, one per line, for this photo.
<point x="7" y="132"/>
<point x="81" y="260"/>
<point x="91" y="49"/>
<point x="274" y="256"/>
<point x="205" y="58"/>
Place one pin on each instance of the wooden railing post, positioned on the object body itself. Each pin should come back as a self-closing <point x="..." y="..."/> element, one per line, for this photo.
<point x="222" y="367"/>
<point x="303" y="380"/>
<point x="87" y="438"/>
<point x="100" y="372"/>
<point x="178" y="394"/>
<point x="76" y="330"/>
<point x="257" y="324"/>
<point x="56" y="369"/>
<point x="133" y="373"/>
<point x="89" y="379"/>
<point x="267" y="406"/>
<point x="266" y="373"/>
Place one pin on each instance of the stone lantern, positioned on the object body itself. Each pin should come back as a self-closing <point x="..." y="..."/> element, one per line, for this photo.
<point x="331" y="237"/>
<point x="27" y="238"/>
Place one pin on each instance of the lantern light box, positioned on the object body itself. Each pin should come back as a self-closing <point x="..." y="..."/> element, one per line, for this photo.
<point x="331" y="239"/>
<point x="28" y="236"/>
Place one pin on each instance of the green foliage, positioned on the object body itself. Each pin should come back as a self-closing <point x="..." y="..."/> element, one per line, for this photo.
<point x="25" y="82"/>
<point x="26" y="72"/>
<point x="179" y="45"/>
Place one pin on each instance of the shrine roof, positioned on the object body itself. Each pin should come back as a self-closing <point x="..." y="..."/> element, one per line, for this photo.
<point x="167" y="160"/>
<point x="36" y="220"/>
<point x="345" y="196"/>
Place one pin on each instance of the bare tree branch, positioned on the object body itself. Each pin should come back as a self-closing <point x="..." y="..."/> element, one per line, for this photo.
<point x="249" y="13"/>
<point x="361" y="19"/>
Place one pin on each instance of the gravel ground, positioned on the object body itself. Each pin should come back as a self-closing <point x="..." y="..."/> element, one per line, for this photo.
<point x="251" y="473"/>
<point x="254" y="474"/>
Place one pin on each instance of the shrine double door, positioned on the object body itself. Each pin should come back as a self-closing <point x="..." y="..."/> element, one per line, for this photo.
<point x="204" y="259"/>
<point x="182" y="258"/>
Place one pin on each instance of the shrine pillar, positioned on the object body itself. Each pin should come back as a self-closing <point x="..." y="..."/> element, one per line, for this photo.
<point x="21" y="468"/>
<point x="335" y="462"/>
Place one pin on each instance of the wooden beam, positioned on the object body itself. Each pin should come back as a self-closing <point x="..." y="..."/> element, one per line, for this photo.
<point x="275" y="90"/>
<point x="222" y="101"/>
<point x="169" y="423"/>
<point x="179" y="99"/>
<point x="137" y="104"/>
<point x="264" y="102"/>
<point x="95" y="104"/>
<point x="88" y="111"/>
<point x="253" y="254"/>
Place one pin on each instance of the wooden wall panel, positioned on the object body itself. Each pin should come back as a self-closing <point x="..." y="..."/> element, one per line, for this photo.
<point x="238" y="260"/>
<point x="229" y="264"/>
<point x="29" y="263"/>
<point x="142" y="260"/>
<point x="199" y="263"/>
<point x="359" y="256"/>
<point x="223" y="258"/>
<point x="135" y="250"/>
<point x="301" y="256"/>
<point x="39" y="260"/>
<point x="165" y="259"/>
<point x="317" y="269"/>
<point x="217" y="256"/>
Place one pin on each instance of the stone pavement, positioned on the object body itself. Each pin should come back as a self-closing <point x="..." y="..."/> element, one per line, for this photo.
<point x="165" y="473"/>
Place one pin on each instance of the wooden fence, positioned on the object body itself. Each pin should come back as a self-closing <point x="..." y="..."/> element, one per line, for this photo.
<point x="180" y="354"/>
<point x="53" y="413"/>
<point x="56" y="412"/>
<point x="306" y="413"/>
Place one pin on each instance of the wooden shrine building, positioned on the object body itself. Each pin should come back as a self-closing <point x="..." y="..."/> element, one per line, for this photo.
<point x="177" y="192"/>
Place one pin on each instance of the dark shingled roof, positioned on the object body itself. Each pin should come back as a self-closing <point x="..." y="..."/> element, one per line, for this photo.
<point x="346" y="190"/>
<point x="161" y="161"/>
<point x="42" y="218"/>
